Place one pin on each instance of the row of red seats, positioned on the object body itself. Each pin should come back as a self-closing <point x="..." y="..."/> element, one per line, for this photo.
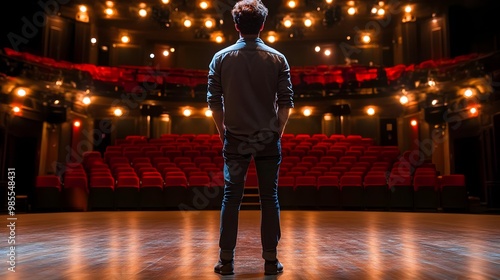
<point x="374" y="190"/>
<point x="323" y="76"/>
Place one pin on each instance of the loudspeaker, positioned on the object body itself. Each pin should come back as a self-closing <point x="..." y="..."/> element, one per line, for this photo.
<point x="151" y="110"/>
<point x="340" y="109"/>
<point x="55" y="114"/>
<point x="435" y="115"/>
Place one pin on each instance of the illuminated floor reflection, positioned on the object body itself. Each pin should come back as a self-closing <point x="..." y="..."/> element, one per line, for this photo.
<point x="315" y="245"/>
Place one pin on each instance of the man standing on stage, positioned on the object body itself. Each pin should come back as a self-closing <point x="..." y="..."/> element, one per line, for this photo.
<point x="250" y="96"/>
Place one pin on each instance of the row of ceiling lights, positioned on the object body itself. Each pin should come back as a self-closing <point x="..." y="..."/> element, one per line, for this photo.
<point x="272" y="36"/>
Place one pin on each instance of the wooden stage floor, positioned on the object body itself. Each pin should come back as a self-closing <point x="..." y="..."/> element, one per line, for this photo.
<point x="315" y="245"/>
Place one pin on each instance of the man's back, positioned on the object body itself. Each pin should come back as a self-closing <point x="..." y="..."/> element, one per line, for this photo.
<point x="253" y="79"/>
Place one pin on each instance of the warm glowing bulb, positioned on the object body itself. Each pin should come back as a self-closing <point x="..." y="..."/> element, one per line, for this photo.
<point x="219" y="39"/>
<point x="329" y="1"/>
<point x="143" y="13"/>
<point x="434" y="102"/>
<point x="370" y="111"/>
<point x="366" y="39"/>
<point x="328" y="52"/>
<point x="381" y="12"/>
<point x="413" y="123"/>
<point x="187" y="112"/>
<point x="110" y="4"/>
<point x="408" y="9"/>
<point x="165" y="53"/>
<point x="203" y="5"/>
<point x="351" y="11"/>
<point x="209" y="23"/>
<point x="473" y="110"/>
<point x="271" y="38"/>
<point x="374" y="10"/>
<point x="307" y="112"/>
<point x="208" y="113"/>
<point x="109" y="11"/>
<point x="86" y="100"/>
<point x="16" y="109"/>
<point x="317" y="49"/>
<point x="165" y="1"/>
<point x="76" y="123"/>
<point x="82" y="8"/>
<point x="151" y="55"/>
<point x="187" y="23"/>
<point x="308" y="22"/>
<point x="21" y="92"/>
<point x="292" y="4"/>
<point x="118" y="112"/>
<point x="403" y="99"/>
<point x="327" y="117"/>
<point x="125" y="39"/>
<point x="468" y="92"/>
<point x="93" y="40"/>
<point x="172" y="49"/>
<point x="287" y="23"/>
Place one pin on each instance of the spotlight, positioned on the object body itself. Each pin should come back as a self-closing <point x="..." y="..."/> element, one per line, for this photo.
<point x="118" y="112"/>
<point x="187" y="112"/>
<point x="370" y="111"/>
<point x="403" y="100"/>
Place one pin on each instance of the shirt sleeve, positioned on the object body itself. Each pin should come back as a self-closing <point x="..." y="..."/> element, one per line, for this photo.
<point x="285" y="91"/>
<point x="214" y="90"/>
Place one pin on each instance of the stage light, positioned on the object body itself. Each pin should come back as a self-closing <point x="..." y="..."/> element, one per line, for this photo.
<point x="370" y="111"/>
<point x="86" y="100"/>
<point x="307" y="112"/>
<point x="317" y="49"/>
<point x="76" y="123"/>
<point x="308" y="22"/>
<point x="21" y="92"/>
<point x="109" y="12"/>
<point x="118" y="112"/>
<point x="366" y="39"/>
<point x="468" y="93"/>
<point x="165" y="53"/>
<point x="413" y="122"/>
<point x="203" y="5"/>
<point x="271" y="37"/>
<point x="187" y="112"/>
<point x="125" y="39"/>
<point x="403" y="100"/>
<point x="143" y="13"/>
<point x="328" y="52"/>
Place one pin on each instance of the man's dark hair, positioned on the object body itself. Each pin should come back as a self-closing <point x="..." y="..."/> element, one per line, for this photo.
<point x="249" y="15"/>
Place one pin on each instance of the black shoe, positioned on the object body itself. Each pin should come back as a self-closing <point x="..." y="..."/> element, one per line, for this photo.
<point x="224" y="267"/>
<point x="273" y="267"/>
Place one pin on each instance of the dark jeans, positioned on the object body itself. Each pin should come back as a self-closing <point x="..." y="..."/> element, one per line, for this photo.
<point x="265" y="149"/>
